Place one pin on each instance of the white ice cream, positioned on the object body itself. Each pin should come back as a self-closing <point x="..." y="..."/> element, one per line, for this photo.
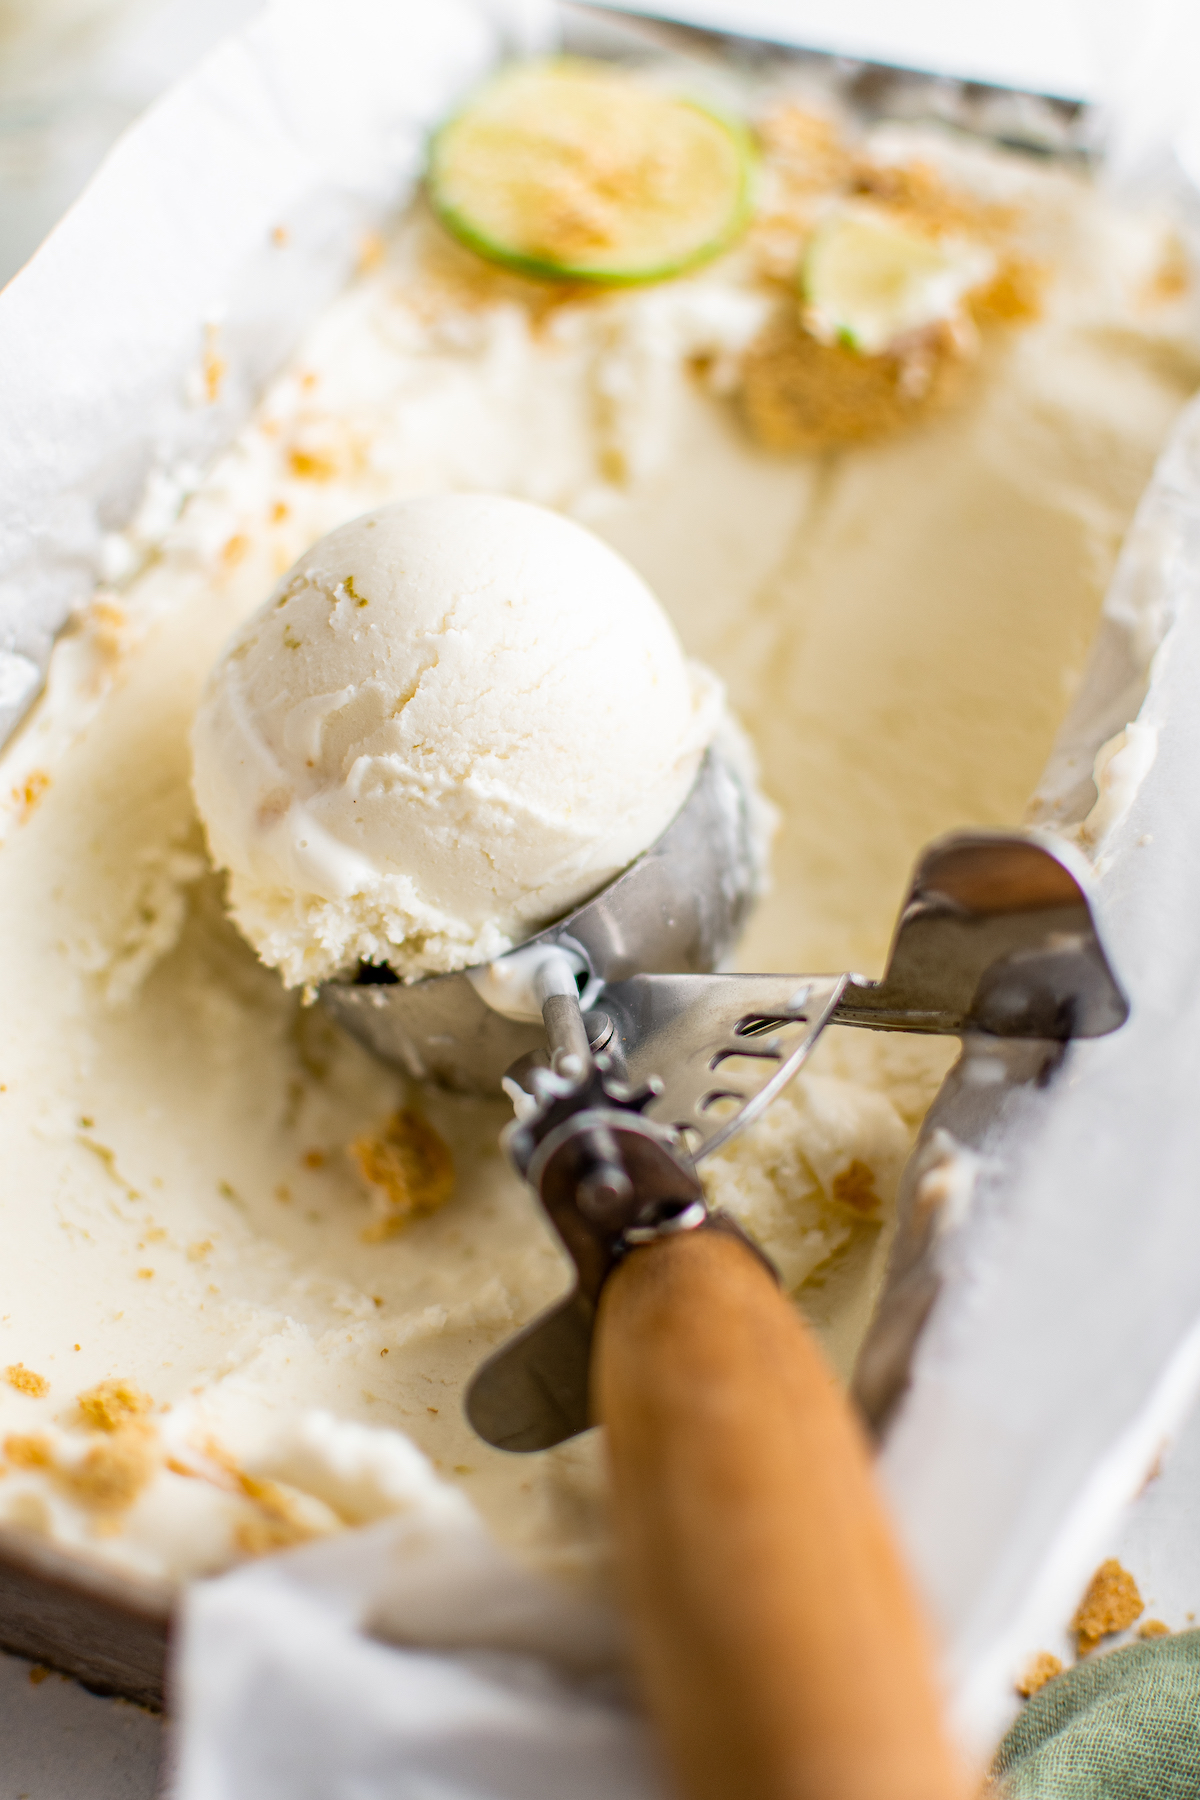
<point x="901" y="626"/>
<point x="456" y="718"/>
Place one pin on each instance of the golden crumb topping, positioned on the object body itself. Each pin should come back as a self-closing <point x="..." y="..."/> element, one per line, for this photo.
<point x="276" y="1516"/>
<point x="28" y="1450"/>
<point x="312" y="465"/>
<point x="855" y="1187"/>
<point x="1112" y="1603"/>
<point x="1173" y="277"/>
<point x="108" y="1477"/>
<point x="29" y="793"/>
<point x="1153" y="1628"/>
<point x="112" y="1473"/>
<point x="276" y="1523"/>
<point x="805" y="159"/>
<point x="1044" y="1667"/>
<point x="801" y="393"/>
<point x="409" y="1169"/>
<point x="26" y="1381"/>
<point x="925" y="199"/>
<point x="110" y="1404"/>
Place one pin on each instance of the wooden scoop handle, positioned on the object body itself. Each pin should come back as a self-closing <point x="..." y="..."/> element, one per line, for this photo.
<point x="782" y="1650"/>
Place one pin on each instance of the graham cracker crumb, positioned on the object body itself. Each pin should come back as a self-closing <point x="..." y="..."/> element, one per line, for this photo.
<point x="38" y="1674"/>
<point x="806" y="150"/>
<point x="29" y="1451"/>
<point x="214" y="365"/>
<point x="312" y="465"/>
<point x="110" y="1404"/>
<point x="927" y="202"/>
<point x="1153" y="1628"/>
<point x="113" y="1472"/>
<point x="800" y="394"/>
<point x="29" y="793"/>
<point x="805" y="160"/>
<point x="409" y="1170"/>
<point x="108" y="623"/>
<point x="26" y="1381"/>
<point x="278" y="1519"/>
<point x="454" y="278"/>
<point x="1044" y="1667"/>
<point x="276" y="1525"/>
<point x="1173" y="277"/>
<point x="261" y="1536"/>
<point x="1112" y="1603"/>
<point x="855" y="1188"/>
<point x="1013" y="296"/>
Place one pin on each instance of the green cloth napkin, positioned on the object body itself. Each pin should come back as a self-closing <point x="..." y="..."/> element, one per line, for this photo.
<point x="1125" y="1726"/>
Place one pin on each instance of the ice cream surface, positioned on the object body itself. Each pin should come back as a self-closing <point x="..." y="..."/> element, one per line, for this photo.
<point x="901" y="623"/>
<point x="456" y="718"/>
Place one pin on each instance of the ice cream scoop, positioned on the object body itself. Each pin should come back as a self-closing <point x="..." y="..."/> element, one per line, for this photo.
<point x="455" y="719"/>
<point x="352" y="771"/>
<point x="780" y="1646"/>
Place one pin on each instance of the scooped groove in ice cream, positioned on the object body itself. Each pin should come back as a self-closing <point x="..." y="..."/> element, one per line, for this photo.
<point x="456" y="718"/>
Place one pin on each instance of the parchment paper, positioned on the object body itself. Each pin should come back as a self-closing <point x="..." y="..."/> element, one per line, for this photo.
<point x="1066" y="1339"/>
<point x="516" y="1692"/>
<point x="308" y="124"/>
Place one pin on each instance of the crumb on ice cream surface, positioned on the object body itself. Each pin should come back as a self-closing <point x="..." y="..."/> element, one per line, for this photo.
<point x="901" y="624"/>
<point x="407" y="1167"/>
<point x="26" y="1381"/>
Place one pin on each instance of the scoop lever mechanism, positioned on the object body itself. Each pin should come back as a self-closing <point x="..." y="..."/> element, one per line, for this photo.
<point x="996" y="936"/>
<point x="628" y="1062"/>
<point x="609" y="1179"/>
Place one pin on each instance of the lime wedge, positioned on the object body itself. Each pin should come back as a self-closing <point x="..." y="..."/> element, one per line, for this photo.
<point x="579" y="171"/>
<point x="869" y="280"/>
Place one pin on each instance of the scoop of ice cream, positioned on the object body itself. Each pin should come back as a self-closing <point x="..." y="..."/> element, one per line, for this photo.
<point x="455" y="719"/>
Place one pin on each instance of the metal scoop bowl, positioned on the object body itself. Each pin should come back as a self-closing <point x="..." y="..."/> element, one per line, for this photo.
<point x="628" y="1059"/>
<point x="678" y="909"/>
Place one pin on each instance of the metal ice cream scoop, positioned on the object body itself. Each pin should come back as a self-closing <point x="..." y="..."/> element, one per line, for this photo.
<point x="629" y="1060"/>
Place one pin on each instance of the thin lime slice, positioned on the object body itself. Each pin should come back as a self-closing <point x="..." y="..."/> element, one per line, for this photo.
<point x="581" y="172"/>
<point x="869" y="281"/>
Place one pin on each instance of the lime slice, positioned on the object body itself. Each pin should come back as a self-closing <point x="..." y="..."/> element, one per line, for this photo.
<point x="868" y="280"/>
<point x="581" y="172"/>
